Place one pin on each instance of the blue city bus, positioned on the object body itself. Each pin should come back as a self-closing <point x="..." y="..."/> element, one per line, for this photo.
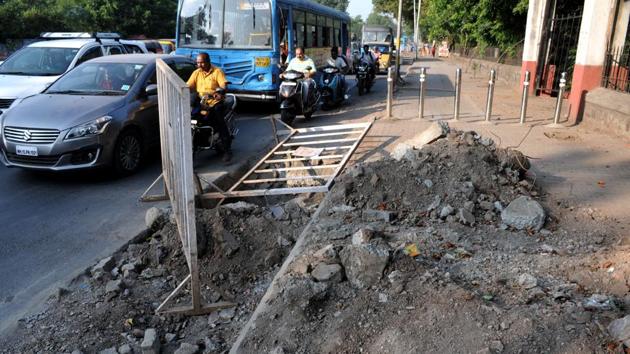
<point x="244" y="37"/>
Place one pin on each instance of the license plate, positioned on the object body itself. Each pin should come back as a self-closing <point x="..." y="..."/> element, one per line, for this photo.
<point x="263" y="62"/>
<point x="26" y="150"/>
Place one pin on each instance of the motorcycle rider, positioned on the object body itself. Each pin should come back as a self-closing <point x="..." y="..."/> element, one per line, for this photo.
<point x="305" y="65"/>
<point x="369" y="57"/>
<point x="302" y="63"/>
<point x="209" y="83"/>
<point x="338" y="62"/>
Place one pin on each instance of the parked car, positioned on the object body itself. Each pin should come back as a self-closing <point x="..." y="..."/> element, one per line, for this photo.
<point x="168" y="45"/>
<point x="134" y="46"/>
<point x="102" y="113"/>
<point x="32" y="68"/>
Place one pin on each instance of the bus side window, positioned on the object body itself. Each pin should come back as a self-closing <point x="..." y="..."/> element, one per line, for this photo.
<point x="311" y="30"/>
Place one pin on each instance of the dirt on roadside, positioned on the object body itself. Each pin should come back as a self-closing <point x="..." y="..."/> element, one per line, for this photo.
<point x="113" y="303"/>
<point x="444" y="251"/>
<point x="415" y="256"/>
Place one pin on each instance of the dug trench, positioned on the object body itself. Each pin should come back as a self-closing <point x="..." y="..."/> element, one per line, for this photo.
<point x="450" y="248"/>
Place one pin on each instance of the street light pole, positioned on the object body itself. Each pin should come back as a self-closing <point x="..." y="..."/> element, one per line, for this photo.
<point x="415" y="30"/>
<point x="398" y="34"/>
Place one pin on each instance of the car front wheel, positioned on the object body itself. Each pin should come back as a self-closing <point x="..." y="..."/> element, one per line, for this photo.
<point x="127" y="153"/>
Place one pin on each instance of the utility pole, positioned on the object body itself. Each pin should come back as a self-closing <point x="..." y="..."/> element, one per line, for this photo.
<point x="419" y="39"/>
<point x="415" y="29"/>
<point x="398" y="34"/>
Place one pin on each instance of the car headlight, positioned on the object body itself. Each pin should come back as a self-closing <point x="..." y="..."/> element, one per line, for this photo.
<point x="92" y="128"/>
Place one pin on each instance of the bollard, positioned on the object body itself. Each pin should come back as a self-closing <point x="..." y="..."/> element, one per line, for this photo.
<point x="525" y="96"/>
<point x="556" y="116"/>
<point x="423" y="76"/>
<point x="390" y="92"/>
<point x="458" y="91"/>
<point x="490" y="95"/>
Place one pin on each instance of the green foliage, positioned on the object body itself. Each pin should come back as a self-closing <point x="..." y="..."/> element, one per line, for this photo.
<point x="341" y="5"/>
<point x="480" y="23"/>
<point x="356" y="24"/>
<point x="28" y="18"/>
<point x="376" y="18"/>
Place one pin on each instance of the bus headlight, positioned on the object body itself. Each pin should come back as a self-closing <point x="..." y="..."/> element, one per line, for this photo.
<point x="261" y="77"/>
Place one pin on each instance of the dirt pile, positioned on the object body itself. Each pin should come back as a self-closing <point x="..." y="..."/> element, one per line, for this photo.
<point x="112" y="306"/>
<point x="420" y="255"/>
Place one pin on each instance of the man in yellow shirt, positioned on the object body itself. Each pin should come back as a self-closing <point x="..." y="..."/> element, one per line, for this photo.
<point x="205" y="81"/>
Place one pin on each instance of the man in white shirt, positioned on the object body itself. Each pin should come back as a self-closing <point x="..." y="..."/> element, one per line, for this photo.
<point x="302" y="63"/>
<point x="338" y="62"/>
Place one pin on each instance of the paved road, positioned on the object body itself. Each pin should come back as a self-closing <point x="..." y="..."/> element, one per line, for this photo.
<point x="53" y="226"/>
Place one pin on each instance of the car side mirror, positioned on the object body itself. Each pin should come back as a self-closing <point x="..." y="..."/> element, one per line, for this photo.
<point x="151" y="90"/>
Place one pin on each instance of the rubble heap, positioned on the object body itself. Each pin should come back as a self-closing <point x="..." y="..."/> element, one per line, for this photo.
<point x="441" y="251"/>
<point x="448" y="247"/>
<point x="111" y="308"/>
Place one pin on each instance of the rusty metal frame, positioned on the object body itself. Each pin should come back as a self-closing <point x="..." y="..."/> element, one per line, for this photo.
<point x="296" y="138"/>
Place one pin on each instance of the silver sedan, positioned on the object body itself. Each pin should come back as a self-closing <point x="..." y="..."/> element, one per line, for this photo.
<point x="102" y="113"/>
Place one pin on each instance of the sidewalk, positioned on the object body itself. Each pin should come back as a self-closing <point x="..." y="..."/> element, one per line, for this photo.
<point x="577" y="166"/>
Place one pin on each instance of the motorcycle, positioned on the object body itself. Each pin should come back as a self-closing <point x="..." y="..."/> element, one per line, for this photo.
<point x="204" y="135"/>
<point x="331" y="87"/>
<point x="297" y="96"/>
<point x="365" y="79"/>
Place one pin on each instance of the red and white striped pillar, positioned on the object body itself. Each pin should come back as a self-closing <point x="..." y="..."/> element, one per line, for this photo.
<point x="533" y="38"/>
<point x="595" y="32"/>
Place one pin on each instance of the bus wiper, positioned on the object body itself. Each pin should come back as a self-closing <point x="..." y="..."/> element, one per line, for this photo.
<point x="15" y="73"/>
<point x="253" y="14"/>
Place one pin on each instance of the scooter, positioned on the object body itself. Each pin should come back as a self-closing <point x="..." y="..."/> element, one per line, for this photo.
<point x="331" y="87"/>
<point x="204" y="135"/>
<point x="365" y="79"/>
<point x="298" y="96"/>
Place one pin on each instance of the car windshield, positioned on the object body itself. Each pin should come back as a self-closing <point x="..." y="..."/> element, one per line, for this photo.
<point x="376" y="36"/>
<point x="98" y="79"/>
<point x="238" y="24"/>
<point x="39" y="61"/>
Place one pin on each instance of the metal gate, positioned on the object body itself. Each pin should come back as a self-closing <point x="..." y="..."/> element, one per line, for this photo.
<point x="559" y="51"/>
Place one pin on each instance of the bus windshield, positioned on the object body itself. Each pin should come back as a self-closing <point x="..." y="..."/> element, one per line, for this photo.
<point x="373" y="36"/>
<point x="241" y="24"/>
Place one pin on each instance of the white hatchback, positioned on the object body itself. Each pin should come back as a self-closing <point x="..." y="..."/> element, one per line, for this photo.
<point x="33" y="68"/>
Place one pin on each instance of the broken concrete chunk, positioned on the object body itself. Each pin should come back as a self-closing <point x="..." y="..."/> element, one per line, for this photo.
<point x="125" y="349"/>
<point x="154" y="215"/>
<point x="408" y="150"/>
<point x="104" y="266"/>
<point x="446" y="211"/>
<point x="620" y="330"/>
<point x="428" y="183"/>
<point x="328" y="272"/>
<point x="363" y="236"/>
<point x="170" y="337"/>
<point x="240" y="206"/>
<point x="599" y="302"/>
<point x="465" y="217"/>
<point x="187" y="348"/>
<point x="151" y="342"/>
<point x="374" y="180"/>
<point x="343" y="208"/>
<point x="527" y="281"/>
<point x="364" y="264"/>
<point x="524" y="213"/>
<point x="113" y="286"/>
<point x="327" y="254"/>
<point x="109" y="351"/>
<point x="227" y="314"/>
<point x="379" y="215"/>
<point x="435" y="204"/>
